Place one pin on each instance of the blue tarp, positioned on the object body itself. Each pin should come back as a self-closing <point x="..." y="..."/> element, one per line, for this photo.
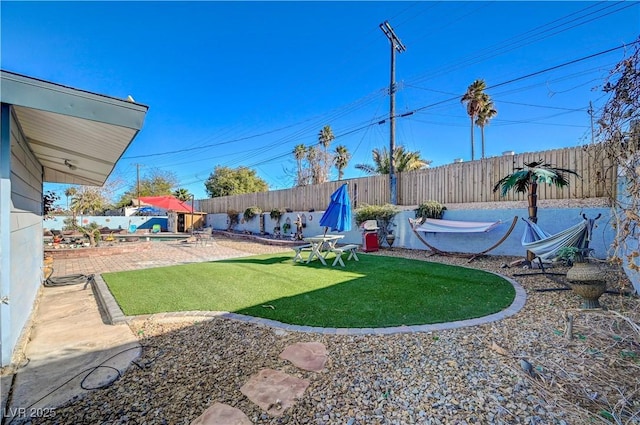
<point x="149" y="211"/>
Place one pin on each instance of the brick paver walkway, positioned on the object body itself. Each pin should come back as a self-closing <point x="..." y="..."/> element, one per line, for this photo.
<point x="156" y="254"/>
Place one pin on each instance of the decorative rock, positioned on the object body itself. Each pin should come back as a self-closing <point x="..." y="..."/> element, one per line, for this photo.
<point x="274" y="391"/>
<point x="222" y="414"/>
<point x="409" y="372"/>
<point x="306" y="355"/>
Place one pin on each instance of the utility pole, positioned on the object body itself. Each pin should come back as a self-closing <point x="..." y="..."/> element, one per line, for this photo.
<point x="591" y="115"/>
<point x="138" y="183"/>
<point x="396" y="44"/>
<point x="192" y="225"/>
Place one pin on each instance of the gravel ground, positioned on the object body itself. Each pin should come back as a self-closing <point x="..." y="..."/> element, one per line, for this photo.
<point x="521" y="370"/>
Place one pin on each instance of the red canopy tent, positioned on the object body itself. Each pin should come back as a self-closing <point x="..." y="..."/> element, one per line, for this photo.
<point x="168" y="203"/>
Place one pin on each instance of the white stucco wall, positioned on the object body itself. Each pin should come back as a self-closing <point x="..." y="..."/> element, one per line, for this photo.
<point x="552" y="220"/>
<point x="633" y="241"/>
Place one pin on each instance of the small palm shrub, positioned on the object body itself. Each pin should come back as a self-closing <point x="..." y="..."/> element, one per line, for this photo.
<point x="430" y="209"/>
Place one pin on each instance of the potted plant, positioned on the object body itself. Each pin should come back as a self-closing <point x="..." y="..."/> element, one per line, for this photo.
<point x="251" y="212"/>
<point x="430" y="209"/>
<point x="569" y="255"/>
<point x="276" y="214"/>
<point x="585" y="278"/>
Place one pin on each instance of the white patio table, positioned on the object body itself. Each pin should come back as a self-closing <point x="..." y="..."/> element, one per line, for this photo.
<point x="318" y="246"/>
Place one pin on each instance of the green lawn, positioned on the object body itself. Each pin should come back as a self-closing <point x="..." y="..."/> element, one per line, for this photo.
<point x="377" y="291"/>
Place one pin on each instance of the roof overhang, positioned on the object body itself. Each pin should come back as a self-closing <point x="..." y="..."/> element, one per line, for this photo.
<point x="77" y="136"/>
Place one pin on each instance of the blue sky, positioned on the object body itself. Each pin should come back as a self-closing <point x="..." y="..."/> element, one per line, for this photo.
<point x="242" y="83"/>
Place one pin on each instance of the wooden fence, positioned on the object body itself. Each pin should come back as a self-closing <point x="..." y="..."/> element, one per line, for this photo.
<point x="464" y="182"/>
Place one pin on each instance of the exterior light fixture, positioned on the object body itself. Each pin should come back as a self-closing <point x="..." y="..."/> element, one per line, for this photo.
<point x="69" y="164"/>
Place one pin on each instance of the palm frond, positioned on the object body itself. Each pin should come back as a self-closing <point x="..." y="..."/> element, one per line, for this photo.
<point x="368" y="169"/>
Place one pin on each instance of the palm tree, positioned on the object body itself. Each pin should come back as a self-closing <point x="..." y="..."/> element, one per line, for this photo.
<point x="341" y="159"/>
<point x="299" y="152"/>
<point x="325" y="137"/>
<point x="70" y="192"/>
<point x="473" y="99"/>
<point x="526" y="180"/>
<point x="486" y="113"/>
<point x="404" y="161"/>
<point x="182" y="194"/>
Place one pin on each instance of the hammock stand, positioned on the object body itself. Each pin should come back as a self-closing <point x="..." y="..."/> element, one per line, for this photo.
<point x="545" y="246"/>
<point x="578" y="236"/>
<point x="470" y="256"/>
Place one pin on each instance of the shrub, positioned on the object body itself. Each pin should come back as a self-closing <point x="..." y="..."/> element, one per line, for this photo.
<point x="430" y="209"/>
<point x="251" y="212"/>
<point x="92" y="232"/>
<point x="382" y="213"/>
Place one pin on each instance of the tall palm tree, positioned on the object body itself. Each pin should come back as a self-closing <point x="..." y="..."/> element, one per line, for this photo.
<point x="325" y="137"/>
<point x="473" y="99"/>
<point x="70" y="192"/>
<point x="526" y="180"/>
<point x="487" y="112"/>
<point x="404" y="161"/>
<point x="299" y="153"/>
<point x="341" y="159"/>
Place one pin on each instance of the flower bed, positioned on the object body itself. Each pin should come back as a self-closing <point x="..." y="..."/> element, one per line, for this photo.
<point x="65" y="251"/>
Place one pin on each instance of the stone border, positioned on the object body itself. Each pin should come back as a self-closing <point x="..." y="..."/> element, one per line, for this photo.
<point x="107" y="303"/>
<point x="115" y="315"/>
<point x="257" y="238"/>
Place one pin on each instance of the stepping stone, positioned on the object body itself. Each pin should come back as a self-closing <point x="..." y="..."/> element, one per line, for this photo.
<point x="274" y="391"/>
<point x="306" y="355"/>
<point x="222" y="414"/>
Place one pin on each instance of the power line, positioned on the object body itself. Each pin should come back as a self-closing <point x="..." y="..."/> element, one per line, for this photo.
<point x="501" y="48"/>
<point x="383" y="120"/>
<point x="337" y="113"/>
<point x="513" y="80"/>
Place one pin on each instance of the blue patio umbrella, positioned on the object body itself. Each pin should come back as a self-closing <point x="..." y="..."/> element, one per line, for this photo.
<point x="337" y="216"/>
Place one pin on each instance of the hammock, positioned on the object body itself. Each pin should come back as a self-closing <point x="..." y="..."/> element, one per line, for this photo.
<point x="451" y="226"/>
<point x="546" y="246"/>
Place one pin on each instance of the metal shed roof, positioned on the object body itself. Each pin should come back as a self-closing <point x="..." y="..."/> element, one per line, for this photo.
<point x="76" y="135"/>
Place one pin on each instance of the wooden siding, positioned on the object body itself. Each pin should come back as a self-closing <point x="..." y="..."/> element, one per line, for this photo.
<point x="26" y="243"/>
<point x="465" y="182"/>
